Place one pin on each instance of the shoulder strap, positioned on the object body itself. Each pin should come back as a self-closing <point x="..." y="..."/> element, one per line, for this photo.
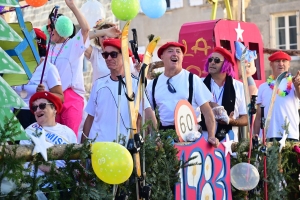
<point x="153" y="92"/>
<point x="190" y="88"/>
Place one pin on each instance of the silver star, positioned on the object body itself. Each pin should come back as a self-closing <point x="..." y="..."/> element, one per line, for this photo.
<point x="227" y="145"/>
<point x="41" y="145"/>
<point x="282" y="141"/>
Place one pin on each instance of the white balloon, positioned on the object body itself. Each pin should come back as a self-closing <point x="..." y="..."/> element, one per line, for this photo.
<point x="244" y="176"/>
<point x="93" y="11"/>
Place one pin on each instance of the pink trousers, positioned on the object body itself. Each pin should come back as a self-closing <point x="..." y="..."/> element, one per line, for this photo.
<point x="71" y="113"/>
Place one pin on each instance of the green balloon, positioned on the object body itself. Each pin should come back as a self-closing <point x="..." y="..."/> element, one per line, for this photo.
<point x="125" y="9"/>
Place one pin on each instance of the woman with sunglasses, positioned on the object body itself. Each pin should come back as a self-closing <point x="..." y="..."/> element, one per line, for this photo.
<point x="51" y="82"/>
<point x="45" y="106"/>
<point x="102" y="31"/>
<point x="66" y="53"/>
<point x="226" y="91"/>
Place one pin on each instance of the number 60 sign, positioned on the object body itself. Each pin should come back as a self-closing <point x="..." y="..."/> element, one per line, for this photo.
<point x="185" y="119"/>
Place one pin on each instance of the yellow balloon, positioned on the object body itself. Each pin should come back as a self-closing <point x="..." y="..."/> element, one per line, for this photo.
<point x="111" y="162"/>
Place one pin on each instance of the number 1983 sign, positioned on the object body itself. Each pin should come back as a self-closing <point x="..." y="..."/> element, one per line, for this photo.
<point x="185" y="119"/>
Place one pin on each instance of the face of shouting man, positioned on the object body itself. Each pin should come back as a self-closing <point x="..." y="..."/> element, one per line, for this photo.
<point x="172" y="58"/>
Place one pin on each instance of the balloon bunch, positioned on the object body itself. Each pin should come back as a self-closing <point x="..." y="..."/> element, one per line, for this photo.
<point x="128" y="9"/>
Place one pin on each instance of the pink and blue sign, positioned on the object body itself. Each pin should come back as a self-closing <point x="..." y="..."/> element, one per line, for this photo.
<point x="208" y="180"/>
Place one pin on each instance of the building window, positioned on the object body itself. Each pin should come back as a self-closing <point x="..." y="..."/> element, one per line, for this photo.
<point x="168" y="3"/>
<point x="285" y="28"/>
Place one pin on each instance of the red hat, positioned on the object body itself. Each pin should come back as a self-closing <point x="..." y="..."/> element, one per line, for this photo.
<point x="224" y="52"/>
<point x="168" y="44"/>
<point x="49" y="96"/>
<point x="40" y="34"/>
<point x="141" y="56"/>
<point x="115" y="43"/>
<point x="279" y="55"/>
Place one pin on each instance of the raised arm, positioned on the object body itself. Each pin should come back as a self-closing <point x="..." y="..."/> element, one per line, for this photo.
<point x="112" y="32"/>
<point x="80" y="18"/>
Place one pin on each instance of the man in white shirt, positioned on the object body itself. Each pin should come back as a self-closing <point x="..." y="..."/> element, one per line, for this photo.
<point x="173" y="85"/>
<point x="227" y="92"/>
<point x="286" y="103"/>
<point x="102" y="107"/>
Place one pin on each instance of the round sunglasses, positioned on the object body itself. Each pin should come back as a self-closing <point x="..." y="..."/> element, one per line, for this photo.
<point x="112" y="54"/>
<point x="216" y="60"/>
<point x="41" y="106"/>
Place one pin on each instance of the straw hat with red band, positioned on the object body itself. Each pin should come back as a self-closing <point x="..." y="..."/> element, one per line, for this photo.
<point x="115" y="43"/>
<point x="49" y="96"/>
<point x="170" y="44"/>
<point x="224" y="52"/>
<point x="279" y="55"/>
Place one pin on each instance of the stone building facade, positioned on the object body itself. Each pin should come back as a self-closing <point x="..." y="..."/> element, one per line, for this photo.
<point x="278" y="21"/>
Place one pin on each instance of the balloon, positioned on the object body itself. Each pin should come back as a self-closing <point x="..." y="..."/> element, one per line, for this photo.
<point x="244" y="176"/>
<point x="93" y="11"/>
<point x="154" y="8"/>
<point x="125" y="9"/>
<point x="36" y="3"/>
<point x="111" y="162"/>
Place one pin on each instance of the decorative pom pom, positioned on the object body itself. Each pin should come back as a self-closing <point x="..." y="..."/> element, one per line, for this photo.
<point x="64" y="26"/>
<point x="44" y="29"/>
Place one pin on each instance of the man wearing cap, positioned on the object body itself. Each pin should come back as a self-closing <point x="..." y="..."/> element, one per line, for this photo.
<point x="177" y="84"/>
<point x="286" y="103"/>
<point x="226" y="91"/>
<point x="45" y="106"/>
<point x="103" y="102"/>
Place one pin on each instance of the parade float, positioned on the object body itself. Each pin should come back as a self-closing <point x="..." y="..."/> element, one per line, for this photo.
<point x="196" y="169"/>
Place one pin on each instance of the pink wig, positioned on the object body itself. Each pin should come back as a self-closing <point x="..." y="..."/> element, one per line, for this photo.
<point x="226" y="67"/>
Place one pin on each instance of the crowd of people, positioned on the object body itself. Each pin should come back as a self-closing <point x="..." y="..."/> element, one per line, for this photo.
<point x="57" y="104"/>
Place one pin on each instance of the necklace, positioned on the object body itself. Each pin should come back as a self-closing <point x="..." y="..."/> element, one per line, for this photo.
<point x="281" y="93"/>
<point x="61" y="48"/>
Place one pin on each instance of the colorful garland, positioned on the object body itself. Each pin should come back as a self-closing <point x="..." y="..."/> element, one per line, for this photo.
<point x="284" y="93"/>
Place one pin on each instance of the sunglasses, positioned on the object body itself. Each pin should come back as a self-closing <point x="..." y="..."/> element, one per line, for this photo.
<point x="216" y="60"/>
<point x="42" y="106"/>
<point x="112" y="54"/>
<point x="171" y="87"/>
<point x="49" y="26"/>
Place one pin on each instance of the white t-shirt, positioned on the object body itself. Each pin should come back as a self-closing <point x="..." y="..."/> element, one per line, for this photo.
<point x="51" y="79"/>
<point x="100" y="68"/>
<point x="68" y="58"/>
<point x="284" y="107"/>
<point x="58" y="134"/>
<point x="240" y="104"/>
<point x="167" y="101"/>
<point x="103" y="106"/>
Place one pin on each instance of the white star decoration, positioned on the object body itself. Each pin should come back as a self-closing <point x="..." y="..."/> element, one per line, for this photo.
<point x="41" y="145"/>
<point x="282" y="141"/>
<point x="227" y="145"/>
<point x="239" y="33"/>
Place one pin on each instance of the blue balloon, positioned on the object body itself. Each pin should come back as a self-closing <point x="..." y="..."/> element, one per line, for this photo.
<point x="154" y="8"/>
